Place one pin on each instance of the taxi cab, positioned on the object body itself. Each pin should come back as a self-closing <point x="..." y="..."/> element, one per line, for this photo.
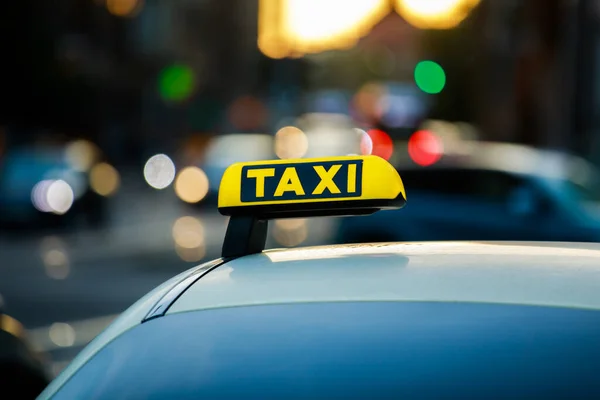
<point x="430" y="320"/>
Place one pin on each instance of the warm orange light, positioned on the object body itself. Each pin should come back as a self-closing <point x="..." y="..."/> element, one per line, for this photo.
<point x="435" y="14"/>
<point x="290" y="142"/>
<point x="288" y="28"/>
<point x="191" y="185"/>
<point x="188" y="234"/>
<point x="104" y="179"/>
<point x="124" y="8"/>
<point x="81" y="154"/>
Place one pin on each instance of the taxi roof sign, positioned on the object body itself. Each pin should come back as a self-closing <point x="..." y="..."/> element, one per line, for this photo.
<point x="310" y="187"/>
<point x="252" y="193"/>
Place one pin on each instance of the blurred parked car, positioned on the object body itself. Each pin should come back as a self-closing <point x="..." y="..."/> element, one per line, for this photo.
<point x="21" y="369"/>
<point x="490" y="191"/>
<point x="40" y="188"/>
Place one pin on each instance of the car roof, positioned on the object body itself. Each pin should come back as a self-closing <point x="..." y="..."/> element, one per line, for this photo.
<point x="559" y="275"/>
<point x="562" y="275"/>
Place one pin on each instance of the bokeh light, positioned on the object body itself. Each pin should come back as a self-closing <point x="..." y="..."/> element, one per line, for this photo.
<point x="290" y="28"/>
<point x="54" y="196"/>
<point x="56" y="264"/>
<point x="188" y="234"/>
<point x="60" y="196"/>
<point x="62" y="334"/>
<point x="38" y="195"/>
<point x="51" y="243"/>
<point x="295" y="27"/>
<point x="55" y="257"/>
<point x="159" y="171"/>
<point x="425" y="148"/>
<point x="290" y="232"/>
<point x="194" y="254"/>
<point x="191" y="185"/>
<point x="430" y="77"/>
<point x="81" y="154"/>
<point x="435" y="14"/>
<point x="104" y="179"/>
<point x="382" y="144"/>
<point x="290" y="142"/>
<point x="77" y="181"/>
<point x="124" y="8"/>
<point x="177" y="82"/>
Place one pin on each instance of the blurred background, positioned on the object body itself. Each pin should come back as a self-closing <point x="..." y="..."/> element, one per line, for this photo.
<point x="118" y="117"/>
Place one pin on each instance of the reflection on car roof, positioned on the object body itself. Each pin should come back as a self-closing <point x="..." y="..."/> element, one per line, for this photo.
<point x="504" y="273"/>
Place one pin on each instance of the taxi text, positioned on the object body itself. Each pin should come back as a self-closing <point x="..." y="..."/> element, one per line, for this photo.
<point x="296" y="181"/>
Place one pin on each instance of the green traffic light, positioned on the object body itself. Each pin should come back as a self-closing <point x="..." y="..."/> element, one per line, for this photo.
<point x="430" y="77"/>
<point x="176" y="82"/>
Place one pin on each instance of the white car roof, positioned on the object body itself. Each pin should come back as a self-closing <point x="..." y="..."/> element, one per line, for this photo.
<point x="547" y="274"/>
<point x="563" y="275"/>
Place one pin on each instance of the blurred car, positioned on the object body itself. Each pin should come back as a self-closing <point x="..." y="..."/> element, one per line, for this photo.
<point x="22" y="370"/>
<point x="39" y="188"/>
<point x="490" y="191"/>
<point x="419" y="321"/>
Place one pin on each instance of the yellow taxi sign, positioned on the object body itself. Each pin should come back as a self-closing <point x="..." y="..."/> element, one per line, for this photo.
<point x="310" y="187"/>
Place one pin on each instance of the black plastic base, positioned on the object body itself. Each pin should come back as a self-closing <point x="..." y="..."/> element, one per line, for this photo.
<point x="245" y="235"/>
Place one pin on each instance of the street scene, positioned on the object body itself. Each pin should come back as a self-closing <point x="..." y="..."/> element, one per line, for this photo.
<point x="119" y="119"/>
